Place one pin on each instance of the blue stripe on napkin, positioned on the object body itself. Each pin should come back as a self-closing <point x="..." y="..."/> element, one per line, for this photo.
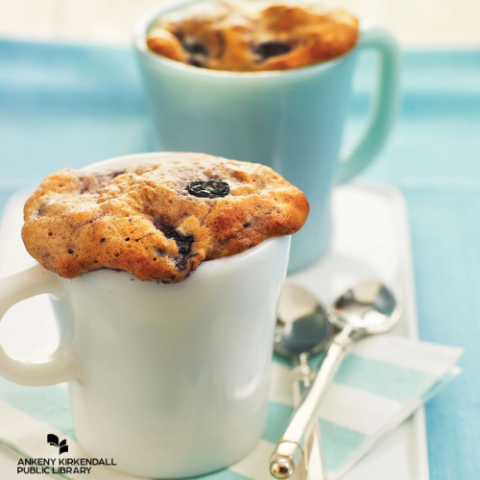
<point x="338" y="443"/>
<point x="382" y="378"/>
<point x="278" y="417"/>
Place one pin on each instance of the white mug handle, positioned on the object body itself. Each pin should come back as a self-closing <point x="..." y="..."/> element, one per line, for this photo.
<point x="61" y="366"/>
<point x="384" y="107"/>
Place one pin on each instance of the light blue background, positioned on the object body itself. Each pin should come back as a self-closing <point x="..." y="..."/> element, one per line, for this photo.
<point x="70" y="106"/>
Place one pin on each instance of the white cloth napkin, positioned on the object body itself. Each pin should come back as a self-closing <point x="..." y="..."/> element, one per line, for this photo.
<point x="378" y="386"/>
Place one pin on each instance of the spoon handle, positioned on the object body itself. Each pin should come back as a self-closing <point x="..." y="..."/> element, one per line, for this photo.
<point x="288" y="448"/>
<point x="302" y="377"/>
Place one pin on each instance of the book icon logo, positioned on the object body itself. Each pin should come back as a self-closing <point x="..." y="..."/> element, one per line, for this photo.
<point x="54" y="441"/>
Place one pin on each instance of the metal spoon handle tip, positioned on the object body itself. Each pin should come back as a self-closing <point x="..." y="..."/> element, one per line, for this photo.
<point x="283" y="460"/>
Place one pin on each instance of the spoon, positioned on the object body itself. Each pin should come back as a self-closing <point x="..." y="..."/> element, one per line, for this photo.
<point x="302" y="330"/>
<point x="368" y="308"/>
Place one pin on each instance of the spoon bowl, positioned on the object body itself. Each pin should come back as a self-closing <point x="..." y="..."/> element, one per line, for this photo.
<point x="303" y="326"/>
<point x="369" y="308"/>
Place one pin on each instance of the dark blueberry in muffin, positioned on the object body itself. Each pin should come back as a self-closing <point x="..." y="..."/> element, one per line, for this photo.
<point x="184" y="242"/>
<point x="184" y="245"/>
<point x="194" y="47"/>
<point x="196" y="62"/>
<point x="213" y="188"/>
<point x="272" y="48"/>
<point x="197" y="50"/>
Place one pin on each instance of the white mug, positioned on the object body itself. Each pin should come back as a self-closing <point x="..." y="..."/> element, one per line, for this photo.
<point x="167" y="380"/>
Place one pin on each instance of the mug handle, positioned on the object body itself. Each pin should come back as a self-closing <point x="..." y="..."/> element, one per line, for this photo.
<point x="384" y="104"/>
<point x="61" y="366"/>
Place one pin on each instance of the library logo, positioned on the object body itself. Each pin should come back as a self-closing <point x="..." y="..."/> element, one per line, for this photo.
<point x="54" y="441"/>
<point x="63" y="465"/>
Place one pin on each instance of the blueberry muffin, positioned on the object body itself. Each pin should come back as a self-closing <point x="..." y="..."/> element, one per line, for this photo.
<point x="158" y="220"/>
<point x="252" y="36"/>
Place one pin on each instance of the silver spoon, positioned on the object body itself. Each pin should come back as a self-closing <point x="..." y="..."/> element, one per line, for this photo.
<point x="369" y="308"/>
<point x="302" y="330"/>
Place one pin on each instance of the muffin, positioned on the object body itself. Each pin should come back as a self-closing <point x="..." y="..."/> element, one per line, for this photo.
<point x="158" y="220"/>
<point x="253" y="36"/>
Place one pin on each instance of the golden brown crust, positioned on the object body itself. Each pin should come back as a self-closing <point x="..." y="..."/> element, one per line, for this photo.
<point x="145" y="221"/>
<point x="249" y="36"/>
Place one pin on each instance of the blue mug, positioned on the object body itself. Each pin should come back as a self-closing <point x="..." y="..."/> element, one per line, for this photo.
<point x="290" y="120"/>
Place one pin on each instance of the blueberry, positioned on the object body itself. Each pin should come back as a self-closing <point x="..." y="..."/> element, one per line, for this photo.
<point x="273" y="48"/>
<point x="184" y="242"/>
<point x="195" y="48"/>
<point x="194" y="61"/>
<point x="208" y="189"/>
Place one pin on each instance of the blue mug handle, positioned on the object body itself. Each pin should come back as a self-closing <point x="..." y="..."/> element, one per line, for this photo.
<point x="384" y="104"/>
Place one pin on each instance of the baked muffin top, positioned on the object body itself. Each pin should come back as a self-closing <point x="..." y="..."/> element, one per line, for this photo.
<point x="252" y="36"/>
<point x="158" y="220"/>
